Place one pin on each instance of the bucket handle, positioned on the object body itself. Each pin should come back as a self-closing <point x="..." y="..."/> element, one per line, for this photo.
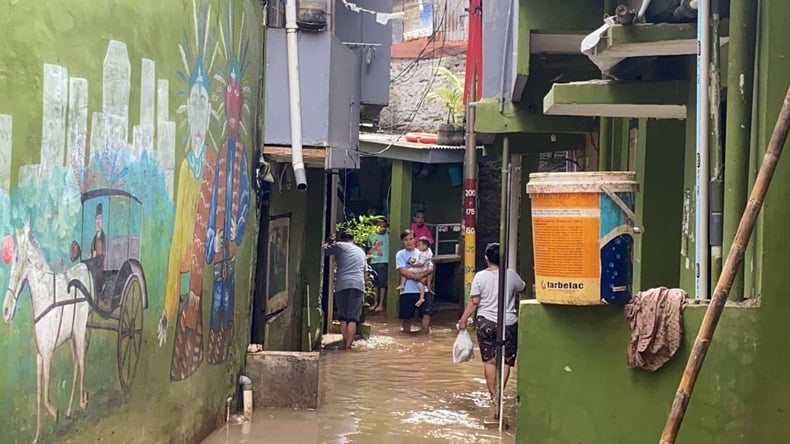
<point x="638" y="228"/>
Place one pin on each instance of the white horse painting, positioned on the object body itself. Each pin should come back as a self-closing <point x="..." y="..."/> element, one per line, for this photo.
<point x="60" y="313"/>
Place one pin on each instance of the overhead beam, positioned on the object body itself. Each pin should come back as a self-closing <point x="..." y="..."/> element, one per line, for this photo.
<point x="645" y="40"/>
<point x="313" y="157"/>
<point x="514" y="119"/>
<point x="536" y="143"/>
<point x="608" y="98"/>
<point x="616" y="43"/>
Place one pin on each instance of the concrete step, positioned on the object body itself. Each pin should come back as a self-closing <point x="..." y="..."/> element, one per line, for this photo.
<point x="363" y="330"/>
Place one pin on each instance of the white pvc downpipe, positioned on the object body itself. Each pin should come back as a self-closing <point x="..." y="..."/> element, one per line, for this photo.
<point x="642" y="9"/>
<point x="701" y="246"/>
<point x="294" y="95"/>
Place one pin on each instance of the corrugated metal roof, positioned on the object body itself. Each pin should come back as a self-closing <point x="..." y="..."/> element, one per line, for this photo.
<point x="400" y="141"/>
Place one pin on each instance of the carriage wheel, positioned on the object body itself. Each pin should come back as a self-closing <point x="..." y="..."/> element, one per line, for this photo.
<point x="130" y="330"/>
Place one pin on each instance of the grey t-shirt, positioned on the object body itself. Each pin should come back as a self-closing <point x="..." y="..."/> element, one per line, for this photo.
<point x="351" y="265"/>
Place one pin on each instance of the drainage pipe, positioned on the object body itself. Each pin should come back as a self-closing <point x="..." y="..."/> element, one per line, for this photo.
<point x="505" y="56"/>
<point x="740" y="78"/>
<point x="246" y="390"/>
<point x="642" y="9"/>
<point x="300" y="175"/>
<point x="503" y="266"/>
<point x="702" y="175"/>
<point x="717" y="154"/>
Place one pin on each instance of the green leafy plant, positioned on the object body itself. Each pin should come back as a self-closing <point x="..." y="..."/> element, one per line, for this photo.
<point x="451" y="94"/>
<point x="362" y="227"/>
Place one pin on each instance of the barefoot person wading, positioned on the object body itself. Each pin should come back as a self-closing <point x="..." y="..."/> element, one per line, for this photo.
<point x="485" y="299"/>
<point x="349" y="282"/>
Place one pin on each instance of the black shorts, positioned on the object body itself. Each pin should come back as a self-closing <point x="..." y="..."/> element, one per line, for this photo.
<point x="349" y="305"/>
<point x="487" y="339"/>
<point x="380" y="275"/>
<point x="407" y="307"/>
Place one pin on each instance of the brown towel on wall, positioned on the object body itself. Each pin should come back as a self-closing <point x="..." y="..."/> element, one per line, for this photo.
<point x="656" y="320"/>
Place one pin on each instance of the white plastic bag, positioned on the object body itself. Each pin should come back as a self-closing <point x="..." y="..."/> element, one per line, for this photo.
<point x="463" y="349"/>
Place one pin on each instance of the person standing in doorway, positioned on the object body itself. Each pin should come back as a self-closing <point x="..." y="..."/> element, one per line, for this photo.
<point x="410" y="293"/>
<point x="379" y="251"/>
<point x="485" y="299"/>
<point x="418" y="227"/>
<point x="349" y="282"/>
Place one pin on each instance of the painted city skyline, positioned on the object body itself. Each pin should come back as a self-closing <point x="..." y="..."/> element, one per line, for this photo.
<point x="66" y="136"/>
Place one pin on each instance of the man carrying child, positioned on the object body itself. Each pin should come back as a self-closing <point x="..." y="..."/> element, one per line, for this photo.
<point x="420" y="263"/>
<point x="411" y="297"/>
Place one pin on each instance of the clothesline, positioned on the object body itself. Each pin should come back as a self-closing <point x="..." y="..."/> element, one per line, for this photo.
<point x="381" y="17"/>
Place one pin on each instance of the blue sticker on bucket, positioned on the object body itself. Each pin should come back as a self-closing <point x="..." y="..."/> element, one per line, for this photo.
<point x="617" y="251"/>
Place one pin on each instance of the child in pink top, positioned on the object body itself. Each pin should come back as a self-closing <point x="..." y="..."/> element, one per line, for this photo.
<point x="419" y="228"/>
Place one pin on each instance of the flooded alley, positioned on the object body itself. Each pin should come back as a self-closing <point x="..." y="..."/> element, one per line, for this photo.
<point x="391" y="388"/>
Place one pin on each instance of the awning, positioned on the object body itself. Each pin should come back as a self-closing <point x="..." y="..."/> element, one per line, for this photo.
<point x="611" y="98"/>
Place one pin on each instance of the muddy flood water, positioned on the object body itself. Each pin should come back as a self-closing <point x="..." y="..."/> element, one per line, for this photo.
<point x="392" y="388"/>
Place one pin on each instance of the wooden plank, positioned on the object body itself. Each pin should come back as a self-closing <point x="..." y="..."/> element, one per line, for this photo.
<point x="312" y="156"/>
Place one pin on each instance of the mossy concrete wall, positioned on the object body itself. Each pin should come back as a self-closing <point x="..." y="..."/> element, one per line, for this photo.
<point x="573" y="381"/>
<point x="127" y="134"/>
<point x="285" y="330"/>
<point x="575" y="387"/>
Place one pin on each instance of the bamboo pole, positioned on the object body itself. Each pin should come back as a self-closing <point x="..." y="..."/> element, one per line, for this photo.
<point x="734" y="258"/>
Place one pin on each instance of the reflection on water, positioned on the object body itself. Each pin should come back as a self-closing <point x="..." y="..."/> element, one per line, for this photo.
<point x="388" y="389"/>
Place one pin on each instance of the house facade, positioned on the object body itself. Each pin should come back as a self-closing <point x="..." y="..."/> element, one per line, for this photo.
<point x="633" y="93"/>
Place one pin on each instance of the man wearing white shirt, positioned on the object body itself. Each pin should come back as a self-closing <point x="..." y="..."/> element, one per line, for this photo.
<point x="485" y="299"/>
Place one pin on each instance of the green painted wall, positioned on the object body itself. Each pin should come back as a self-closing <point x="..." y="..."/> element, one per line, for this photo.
<point x="575" y="386"/>
<point x="540" y="16"/>
<point x="572" y="377"/>
<point x="285" y="330"/>
<point x="440" y="198"/>
<point x="526" y="258"/>
<point x="659" y="203"/>
<point x="63" y="138"/>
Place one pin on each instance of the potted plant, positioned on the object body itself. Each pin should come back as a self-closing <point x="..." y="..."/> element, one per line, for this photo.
<point x="451" y="94"/>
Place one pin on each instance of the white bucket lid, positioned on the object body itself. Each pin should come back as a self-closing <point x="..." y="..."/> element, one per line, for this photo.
<point x="585" y="182"/>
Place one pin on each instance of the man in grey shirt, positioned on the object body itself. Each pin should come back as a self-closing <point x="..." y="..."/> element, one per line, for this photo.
<point x="349" y="282"/>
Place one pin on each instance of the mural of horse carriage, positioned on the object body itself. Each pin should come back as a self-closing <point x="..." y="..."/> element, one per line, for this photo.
<point x="119" y="294"/>
<point x="105" y="289"/>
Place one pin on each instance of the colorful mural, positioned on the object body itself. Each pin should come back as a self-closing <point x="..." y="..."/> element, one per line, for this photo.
<point x="108" y="279"/>
<point x="230" y="200"/>
<point x="100" y="229"/>
<point x="185" y="268"/>
<point x="60" y="314"/>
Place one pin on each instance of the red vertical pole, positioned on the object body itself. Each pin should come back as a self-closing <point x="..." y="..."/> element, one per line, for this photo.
<point x="474" y="50"/>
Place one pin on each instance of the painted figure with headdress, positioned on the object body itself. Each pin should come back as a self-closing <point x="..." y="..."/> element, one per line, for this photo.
<point x="230" y="200"/>
<point x="184" y="286"/>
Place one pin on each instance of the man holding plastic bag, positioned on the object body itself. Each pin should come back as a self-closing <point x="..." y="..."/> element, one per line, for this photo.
<point x="463" y="349"/>
<point x="485" y="299"/>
